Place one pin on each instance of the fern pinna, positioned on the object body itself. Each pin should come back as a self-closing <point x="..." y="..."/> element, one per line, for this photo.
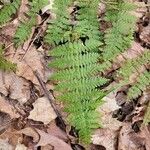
<point x="5" y="65"/>
<point x="76" y="54"/>
<point x="133" y="66"/>
<point x="8" y="10"/>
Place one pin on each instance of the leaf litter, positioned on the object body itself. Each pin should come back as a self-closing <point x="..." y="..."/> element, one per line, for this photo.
<point x="49" y="135"/>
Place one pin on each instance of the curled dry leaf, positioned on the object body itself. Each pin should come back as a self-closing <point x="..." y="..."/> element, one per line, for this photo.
<point x="7" y="108"/>
<point x="57" y="143"/>
<point x="42" y="111"/>
<point x="30" y="132"/>
<point x="16" y="87"/>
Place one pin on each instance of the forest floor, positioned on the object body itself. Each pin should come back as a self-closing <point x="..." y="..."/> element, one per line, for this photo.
<point x="31" y="118"/>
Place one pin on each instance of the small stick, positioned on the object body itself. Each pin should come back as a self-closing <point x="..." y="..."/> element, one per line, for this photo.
<point x="29" y="47"/>
<point x="49" y="96"/>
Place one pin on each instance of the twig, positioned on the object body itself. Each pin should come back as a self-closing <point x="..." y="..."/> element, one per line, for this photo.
<point x="49" y="96"/>
<point x="31" y="44"/>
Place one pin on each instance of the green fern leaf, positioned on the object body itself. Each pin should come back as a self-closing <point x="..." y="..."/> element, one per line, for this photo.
<point x="8" y="10"/>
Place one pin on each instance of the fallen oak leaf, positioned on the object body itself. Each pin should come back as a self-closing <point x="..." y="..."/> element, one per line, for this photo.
<point x="42" y="111"/>
<point x="46" y="139"/>
<point x="31" y="132"/>
<point x="7" y="108"/>
<point x="54" y="130"/>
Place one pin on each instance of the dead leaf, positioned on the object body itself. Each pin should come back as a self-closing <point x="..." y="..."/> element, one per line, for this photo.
<point x="30" y="63"/>
<point x="145" y="34"/>
<point x="20" y="147"/>
<point x="129" y="140"/>
<point x="106" y="138"/>
<point x="42" y="111"/>
<point x="4" y="145"/>
<point x="30" y="132"/>
<point x="47" y="147"/>
<point x="16" y="87"/>
<point x="54" y="130"/>
<point x="57" y="143"/>
<point x="106" y="111"/>
<point x="7" y="108"/>
<point x="12" y="135"/>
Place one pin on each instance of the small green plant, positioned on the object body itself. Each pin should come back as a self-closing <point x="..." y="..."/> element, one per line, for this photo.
<point x="5" y="65"/>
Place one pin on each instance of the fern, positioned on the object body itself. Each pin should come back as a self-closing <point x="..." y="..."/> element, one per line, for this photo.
<point x="77" y="62"/>
<point x="120" y="36"/>
<point x="59" y="29"/>
<point x="25" y="29"/>
<point x="133" y="65"/>
<point x="5" y="65"/>
<point x="8" y="10"/>
<point x="142" y="83"/>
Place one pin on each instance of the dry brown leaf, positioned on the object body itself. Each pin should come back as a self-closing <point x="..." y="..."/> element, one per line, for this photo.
<point x="106" y="138"/>
<point x="4" y="145"/>
<point x="106" y="111"/>
<point x="54" y="130"/>
<point x="47" y="147"/>
<point x="20" y="147"/>
<point x="135" y="50"/>
<point x="16" y="87"/>
<point x="30" y="132"/>
<point x="7" y="108"/>
<point x="42" y="111"/>
<point x="129" y="140"/>
<point x="57" y="143"/>
<point x="30" y="63"/>
<point x="12" y="135"/>
<point x="145" y="34"/>
<point x="146" y="134"/>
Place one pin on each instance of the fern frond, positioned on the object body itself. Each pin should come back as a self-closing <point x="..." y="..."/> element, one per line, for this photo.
<point x="76" y="53"/>
<point x="133" y="65"/>
<point x="120" y="36"/>
<point x="25" y="29"/>
<point x="8" y="10"/>
<point x="142" y="83"/>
